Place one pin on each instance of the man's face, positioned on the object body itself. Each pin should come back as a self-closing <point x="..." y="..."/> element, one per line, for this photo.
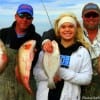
<point x="23" y="20"/>
<point x="91" y="20"/>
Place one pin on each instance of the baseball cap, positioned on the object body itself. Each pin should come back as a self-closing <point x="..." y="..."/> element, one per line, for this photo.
<point x="25" y="8"/>
<point x="91" y="7"/>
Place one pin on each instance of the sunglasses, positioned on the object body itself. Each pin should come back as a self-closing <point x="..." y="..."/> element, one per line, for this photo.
<point x="92" y="14"/>
<point x="25" y="15"/>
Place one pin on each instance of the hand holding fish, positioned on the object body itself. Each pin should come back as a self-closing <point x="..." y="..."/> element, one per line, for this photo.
<point x="57" y="78"/>
<point x="47" y="46"/>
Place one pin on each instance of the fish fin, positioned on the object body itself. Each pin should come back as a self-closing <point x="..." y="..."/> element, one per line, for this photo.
<point x="51" y="84"/>
<point x="17" y="74"/>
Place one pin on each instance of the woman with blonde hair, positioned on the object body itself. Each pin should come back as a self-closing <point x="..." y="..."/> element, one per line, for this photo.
<point x="75" y="63"/>
<point x="79" y="36"/>
<point x="47" y="37"/>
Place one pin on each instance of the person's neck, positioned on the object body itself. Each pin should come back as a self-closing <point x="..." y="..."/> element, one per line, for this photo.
<point x="67" y="43"/>
<point x="20" y="31"/>
<point x="92" y="34"/>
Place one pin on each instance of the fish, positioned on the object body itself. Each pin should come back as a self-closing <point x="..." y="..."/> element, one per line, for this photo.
<point x="51" y="63"/>
<point x="3" y="57"/>
<point x="25" y="57"/>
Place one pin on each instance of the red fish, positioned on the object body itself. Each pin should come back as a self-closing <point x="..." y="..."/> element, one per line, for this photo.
<point x="25" y="58"/>
<point x="3" y="57"/>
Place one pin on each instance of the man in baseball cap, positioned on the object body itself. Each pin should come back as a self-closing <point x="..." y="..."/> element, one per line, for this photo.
<point x="91" y="7"/>
<point x="91" y="28"/>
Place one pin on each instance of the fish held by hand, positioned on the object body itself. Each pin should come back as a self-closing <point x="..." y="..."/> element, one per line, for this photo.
<point x="25" y="57"/>
<point x="51" y="63"/>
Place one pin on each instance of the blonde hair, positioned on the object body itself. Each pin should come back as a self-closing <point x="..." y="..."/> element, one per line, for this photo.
<point x="79" y="32"/>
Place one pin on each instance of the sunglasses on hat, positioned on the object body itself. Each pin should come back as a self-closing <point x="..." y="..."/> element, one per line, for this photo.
<point x="91" y="14"/>
<point x="25" y="15"/>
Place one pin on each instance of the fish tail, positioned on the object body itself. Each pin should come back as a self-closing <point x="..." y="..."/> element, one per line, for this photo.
<point x="25" y="83"/>
<point x="29" y="90"/>
<point x="51" y="84"/>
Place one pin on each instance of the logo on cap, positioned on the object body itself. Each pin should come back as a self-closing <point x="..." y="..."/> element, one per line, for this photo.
<point x="25" y="8"/>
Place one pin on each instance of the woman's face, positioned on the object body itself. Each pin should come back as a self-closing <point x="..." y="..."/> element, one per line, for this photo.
<point x="67" y="31"/>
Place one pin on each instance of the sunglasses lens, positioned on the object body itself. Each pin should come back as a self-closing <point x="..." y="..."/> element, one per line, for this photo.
<point x="93" y="15"/>
<point x="21" y="15"/>
<point x="27" y="16"/>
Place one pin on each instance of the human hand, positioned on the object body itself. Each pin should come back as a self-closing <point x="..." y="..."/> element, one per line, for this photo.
<point x="47" y="46"/>
<point x="57" y="78"/>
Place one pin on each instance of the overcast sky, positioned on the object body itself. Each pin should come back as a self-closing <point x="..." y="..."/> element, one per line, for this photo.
<point x="45" y="11"/>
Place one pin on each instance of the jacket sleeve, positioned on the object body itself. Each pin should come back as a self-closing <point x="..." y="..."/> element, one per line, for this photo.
<point x="84" y="76"/>
<point x="50" y="34"/>
<point x="38" y="71"/>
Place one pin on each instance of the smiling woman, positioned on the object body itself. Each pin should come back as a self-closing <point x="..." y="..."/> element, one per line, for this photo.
<point x="69" y="77"/>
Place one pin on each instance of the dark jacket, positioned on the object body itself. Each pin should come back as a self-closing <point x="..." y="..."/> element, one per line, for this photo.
<point x="50" y="34"/>
<point x="10" y="39"/>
